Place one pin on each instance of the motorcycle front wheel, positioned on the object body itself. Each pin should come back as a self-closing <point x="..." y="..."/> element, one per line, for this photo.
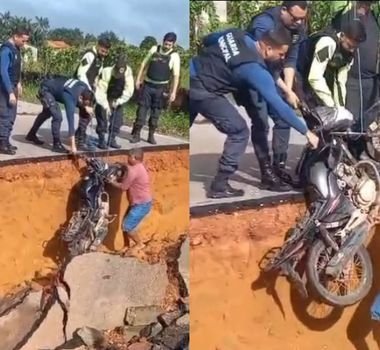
<point x="351" y="286"/>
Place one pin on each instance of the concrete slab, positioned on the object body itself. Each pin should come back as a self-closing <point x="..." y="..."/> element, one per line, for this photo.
<point x="205" y="150"/>
<point x="27" y="113"/>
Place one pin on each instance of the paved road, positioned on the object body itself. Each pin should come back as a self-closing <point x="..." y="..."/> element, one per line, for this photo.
<point x="206" y="145"/>
<point x="26" y="115"/>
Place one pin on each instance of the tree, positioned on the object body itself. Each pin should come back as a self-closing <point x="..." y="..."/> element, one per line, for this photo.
<point x="40" y="29"/>
<point x="148" y="42"/>
<point x="198" y="27"/>
<point x="90" y="38"/>
<point x="112" y="37"/>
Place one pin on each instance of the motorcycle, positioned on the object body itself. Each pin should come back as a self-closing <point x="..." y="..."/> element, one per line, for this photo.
<point x="342" y="200"/>
<point x="88" y="226"/>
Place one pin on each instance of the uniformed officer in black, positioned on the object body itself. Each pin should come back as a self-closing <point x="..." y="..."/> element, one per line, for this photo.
<point x="10" y="86"/>
<point x="162" y="62"/>
<point x="229" y="61"/>
<point x="72" y="93"/>
<point x="88" y="71"/>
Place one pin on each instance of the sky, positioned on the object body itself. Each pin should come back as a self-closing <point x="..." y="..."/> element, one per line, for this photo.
<point x="131" y="20"/>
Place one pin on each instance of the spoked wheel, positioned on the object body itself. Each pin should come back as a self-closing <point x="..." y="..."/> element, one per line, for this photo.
<point x="351" y="286"/>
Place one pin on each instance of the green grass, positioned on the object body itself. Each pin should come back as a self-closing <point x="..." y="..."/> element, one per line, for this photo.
<point x="172" y="122"/>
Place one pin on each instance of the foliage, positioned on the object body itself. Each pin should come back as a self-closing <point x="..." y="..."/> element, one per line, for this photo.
<point x="239" y="14"/>
<point x="39" y="27"/>
<point x="198" y="25"/>
<point x="148" y="42"/>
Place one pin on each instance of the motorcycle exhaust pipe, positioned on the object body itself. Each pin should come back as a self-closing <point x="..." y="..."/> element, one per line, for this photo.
<point x="338" y="262"/>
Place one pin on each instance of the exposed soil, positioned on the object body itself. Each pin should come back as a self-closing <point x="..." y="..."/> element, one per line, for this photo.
<point x="37" y="199"/>
<point x="233" y="308"/>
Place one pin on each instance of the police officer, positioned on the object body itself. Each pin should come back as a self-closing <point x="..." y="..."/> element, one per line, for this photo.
<point x="162" y="62"/>
<point x="72" y="93"/>
<point x="114" y="88"/>
<point x="290" y="14"/>
<point x="362" y="84"/>
<point x="229" y="60"/>
<point x="325" y="60"/>
<point x="10" y="86"/>
<point x="88" y="71"/>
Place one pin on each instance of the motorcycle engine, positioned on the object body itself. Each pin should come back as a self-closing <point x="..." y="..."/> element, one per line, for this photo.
<point x="365" y="193"/>
<point x="362" y="189"/>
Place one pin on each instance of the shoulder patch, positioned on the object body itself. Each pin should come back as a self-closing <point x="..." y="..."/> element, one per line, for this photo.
<point x="84" y="62"/>
<point x="323" y="54"/>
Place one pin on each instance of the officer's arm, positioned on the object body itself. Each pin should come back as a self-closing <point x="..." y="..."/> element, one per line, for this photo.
<point x="84" y="66"/>
<point x="261" y="80"/>
<point x="5" y="62"/>
<point x="340" y="85"/>
<point x="176" y="72"/>
<point x="291" y="61"/>
<point x="128" y="88"/>
<point x="102" y="87"/>
<point x="70" y="106"/>
<point x="324" y="50"/>
<point x="145" y="62"/>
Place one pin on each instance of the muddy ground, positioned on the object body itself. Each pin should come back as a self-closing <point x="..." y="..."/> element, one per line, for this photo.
<point x="37" y="199"/>
<point x="231" y="306"/>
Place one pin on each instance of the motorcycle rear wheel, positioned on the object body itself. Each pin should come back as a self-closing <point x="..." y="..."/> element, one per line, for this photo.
<point x="338" y="291"/>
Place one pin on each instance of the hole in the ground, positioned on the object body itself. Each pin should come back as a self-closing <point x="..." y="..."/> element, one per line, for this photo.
<point x="234" y="305"/>
<point x="38" y="200"/>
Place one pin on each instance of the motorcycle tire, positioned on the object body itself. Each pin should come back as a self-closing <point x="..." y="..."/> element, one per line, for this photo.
<point x="314" y="282"/>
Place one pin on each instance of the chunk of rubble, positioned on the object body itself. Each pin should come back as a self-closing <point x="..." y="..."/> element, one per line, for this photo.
<point x="49" y="334"/>
<point x="183" y="263"/>
<point x="142" y="315"/>
<point x="100" y="302"/>
<point x="18" y="320"/>
<point x="91" y="337"/>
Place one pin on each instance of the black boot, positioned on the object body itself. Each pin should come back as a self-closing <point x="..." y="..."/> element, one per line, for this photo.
<point x="12" y="146"/>
<point x="136" y="134"/>
<point x="220" y="188"/>
<point x="151" y="138"/>
<point x="58" y="147"/>
<point x="102" y="142"/>
<point x="269" y="179"/>
<point x="80" y="138"/>
<point x="279" y="168"/>
<point x="112" y="142"/>
<point x="4" y="148"/>
<point x="32" y="137"/>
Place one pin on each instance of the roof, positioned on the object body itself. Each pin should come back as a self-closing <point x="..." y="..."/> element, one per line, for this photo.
<point x="58" y="44"/>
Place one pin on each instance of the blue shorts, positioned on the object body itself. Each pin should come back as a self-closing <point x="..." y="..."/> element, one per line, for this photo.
<point x="134" y="216"/>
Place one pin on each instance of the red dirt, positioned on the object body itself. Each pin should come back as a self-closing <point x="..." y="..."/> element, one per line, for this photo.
<point x="231" y="307"/>
<point x="36" y="199"/>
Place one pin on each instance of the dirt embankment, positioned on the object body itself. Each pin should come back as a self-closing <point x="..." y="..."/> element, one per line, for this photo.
<point x="37" y="199"/>
<point x="232" y="308"/>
